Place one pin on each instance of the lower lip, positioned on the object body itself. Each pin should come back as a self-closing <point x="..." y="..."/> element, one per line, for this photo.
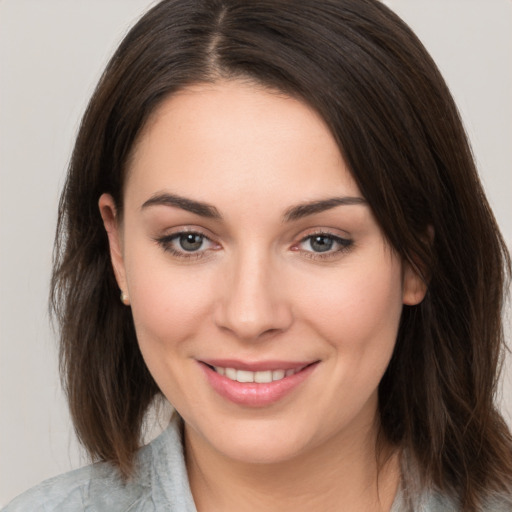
<point x="253" y="394"/>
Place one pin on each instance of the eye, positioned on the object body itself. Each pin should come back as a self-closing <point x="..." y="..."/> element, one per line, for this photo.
<point x="187" y="244"/>
<point x="321" y="245"/>
<point x="190" y="242"/>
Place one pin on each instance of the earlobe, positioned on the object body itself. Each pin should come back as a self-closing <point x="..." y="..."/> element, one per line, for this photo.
<point x="108" y="211"/>
<point x="414" y="286"/>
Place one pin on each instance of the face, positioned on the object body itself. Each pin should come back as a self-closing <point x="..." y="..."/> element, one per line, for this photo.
<point x="265" y="298"/>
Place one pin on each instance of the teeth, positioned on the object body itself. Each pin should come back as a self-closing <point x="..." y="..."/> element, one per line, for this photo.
<point x="262" y="377"/>
<point x="278" y="374"/>
<point x="244" y="376"/>
<point x="231" y="373"/>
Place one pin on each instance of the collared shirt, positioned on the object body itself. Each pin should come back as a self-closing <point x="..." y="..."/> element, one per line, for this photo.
<point x="160" y="485"/>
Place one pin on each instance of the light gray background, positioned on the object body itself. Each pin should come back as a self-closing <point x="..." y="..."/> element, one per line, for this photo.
<point x="51" y="55"/>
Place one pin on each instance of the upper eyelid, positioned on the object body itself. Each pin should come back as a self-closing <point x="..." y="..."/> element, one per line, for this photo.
<point x="186" y="230"/>
<point x="345" y="242"/>
<point x="166" y="242"/>
<point x="345" y="245"/>
<point x="327" y="232"/>
<point x="176" y="235"/>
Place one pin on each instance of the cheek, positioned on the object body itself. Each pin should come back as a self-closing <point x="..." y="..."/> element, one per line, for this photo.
<point x="359" y="309"/>
<point x="357" y="315"/>
<point x="167" y="301"/>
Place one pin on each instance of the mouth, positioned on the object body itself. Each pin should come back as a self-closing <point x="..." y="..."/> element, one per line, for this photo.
<point x="259" y="377"/>
<point x="256" y="384"/>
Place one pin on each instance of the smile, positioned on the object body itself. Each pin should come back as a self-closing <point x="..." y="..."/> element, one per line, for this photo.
<point x="256" y="385"/>
<point x="261" y="377"/>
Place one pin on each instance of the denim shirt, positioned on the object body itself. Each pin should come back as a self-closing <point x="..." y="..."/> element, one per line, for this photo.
<point x="161" y="484"/>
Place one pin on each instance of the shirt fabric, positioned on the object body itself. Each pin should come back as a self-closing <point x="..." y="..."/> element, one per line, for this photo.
<point x="160" y="485"/>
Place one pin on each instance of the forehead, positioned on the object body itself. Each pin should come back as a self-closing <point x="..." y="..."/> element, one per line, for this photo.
<point x="237" y="138"/>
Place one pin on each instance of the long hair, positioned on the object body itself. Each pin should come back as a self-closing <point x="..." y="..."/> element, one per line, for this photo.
<point x="379" y="92"/>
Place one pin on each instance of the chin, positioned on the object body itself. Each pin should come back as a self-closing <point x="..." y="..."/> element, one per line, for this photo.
<point x="255" y="441"/>
<point x="251" y="450"/>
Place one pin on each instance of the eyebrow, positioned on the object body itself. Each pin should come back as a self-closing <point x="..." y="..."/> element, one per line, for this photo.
<point x="189" y="205"/>
<point x="291" y="214"/>
<point x="312" y="207"/>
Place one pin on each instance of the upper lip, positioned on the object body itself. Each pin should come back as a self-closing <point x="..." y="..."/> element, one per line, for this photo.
<point x="257" y="366"/>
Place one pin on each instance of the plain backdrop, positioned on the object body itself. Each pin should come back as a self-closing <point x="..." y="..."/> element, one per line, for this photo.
<point x="51" y="55"/>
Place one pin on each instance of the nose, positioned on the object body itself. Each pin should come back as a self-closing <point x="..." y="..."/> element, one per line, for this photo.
<point x="252" y="302"/>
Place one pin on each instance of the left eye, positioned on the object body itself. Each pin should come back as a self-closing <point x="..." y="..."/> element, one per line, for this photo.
<point x="323" y="243"/>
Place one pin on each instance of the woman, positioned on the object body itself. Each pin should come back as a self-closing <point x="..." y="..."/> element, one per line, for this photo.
<point x="283" y="198"/>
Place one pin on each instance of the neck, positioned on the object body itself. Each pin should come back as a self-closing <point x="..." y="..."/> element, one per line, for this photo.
<point x="344" y="473"/>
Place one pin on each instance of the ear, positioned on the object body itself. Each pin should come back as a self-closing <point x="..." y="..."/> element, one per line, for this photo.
<point x="415" y="276"/>
<point x="414" y="286"/>
<point x="108" y="211"/>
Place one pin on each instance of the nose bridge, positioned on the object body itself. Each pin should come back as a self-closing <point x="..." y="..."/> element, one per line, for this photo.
<point x="252" y="303"/>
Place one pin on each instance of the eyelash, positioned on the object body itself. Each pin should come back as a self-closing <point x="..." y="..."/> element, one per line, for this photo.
<point x="343" y="243"/>
<point x="166" y="243"/>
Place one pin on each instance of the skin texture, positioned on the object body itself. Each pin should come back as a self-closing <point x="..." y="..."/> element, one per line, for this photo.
<point x="258" y="289"/>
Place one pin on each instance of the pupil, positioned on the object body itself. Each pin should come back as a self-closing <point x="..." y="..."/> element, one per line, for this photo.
<point x="321" y="243"/>
<point x="191" y="242"/>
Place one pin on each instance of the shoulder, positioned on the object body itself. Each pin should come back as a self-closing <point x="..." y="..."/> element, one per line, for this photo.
<point x="436" y="501"/>
<point x="499" y="503"/>
<point x="98" y="486"/>
<point x="160" y="482"/>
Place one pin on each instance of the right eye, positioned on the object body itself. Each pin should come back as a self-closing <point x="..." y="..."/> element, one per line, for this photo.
<point x="187" y="244"/>
<point x="190" y="242"/>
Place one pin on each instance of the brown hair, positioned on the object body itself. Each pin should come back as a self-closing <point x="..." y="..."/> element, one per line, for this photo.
<point x="398" y="129"/>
